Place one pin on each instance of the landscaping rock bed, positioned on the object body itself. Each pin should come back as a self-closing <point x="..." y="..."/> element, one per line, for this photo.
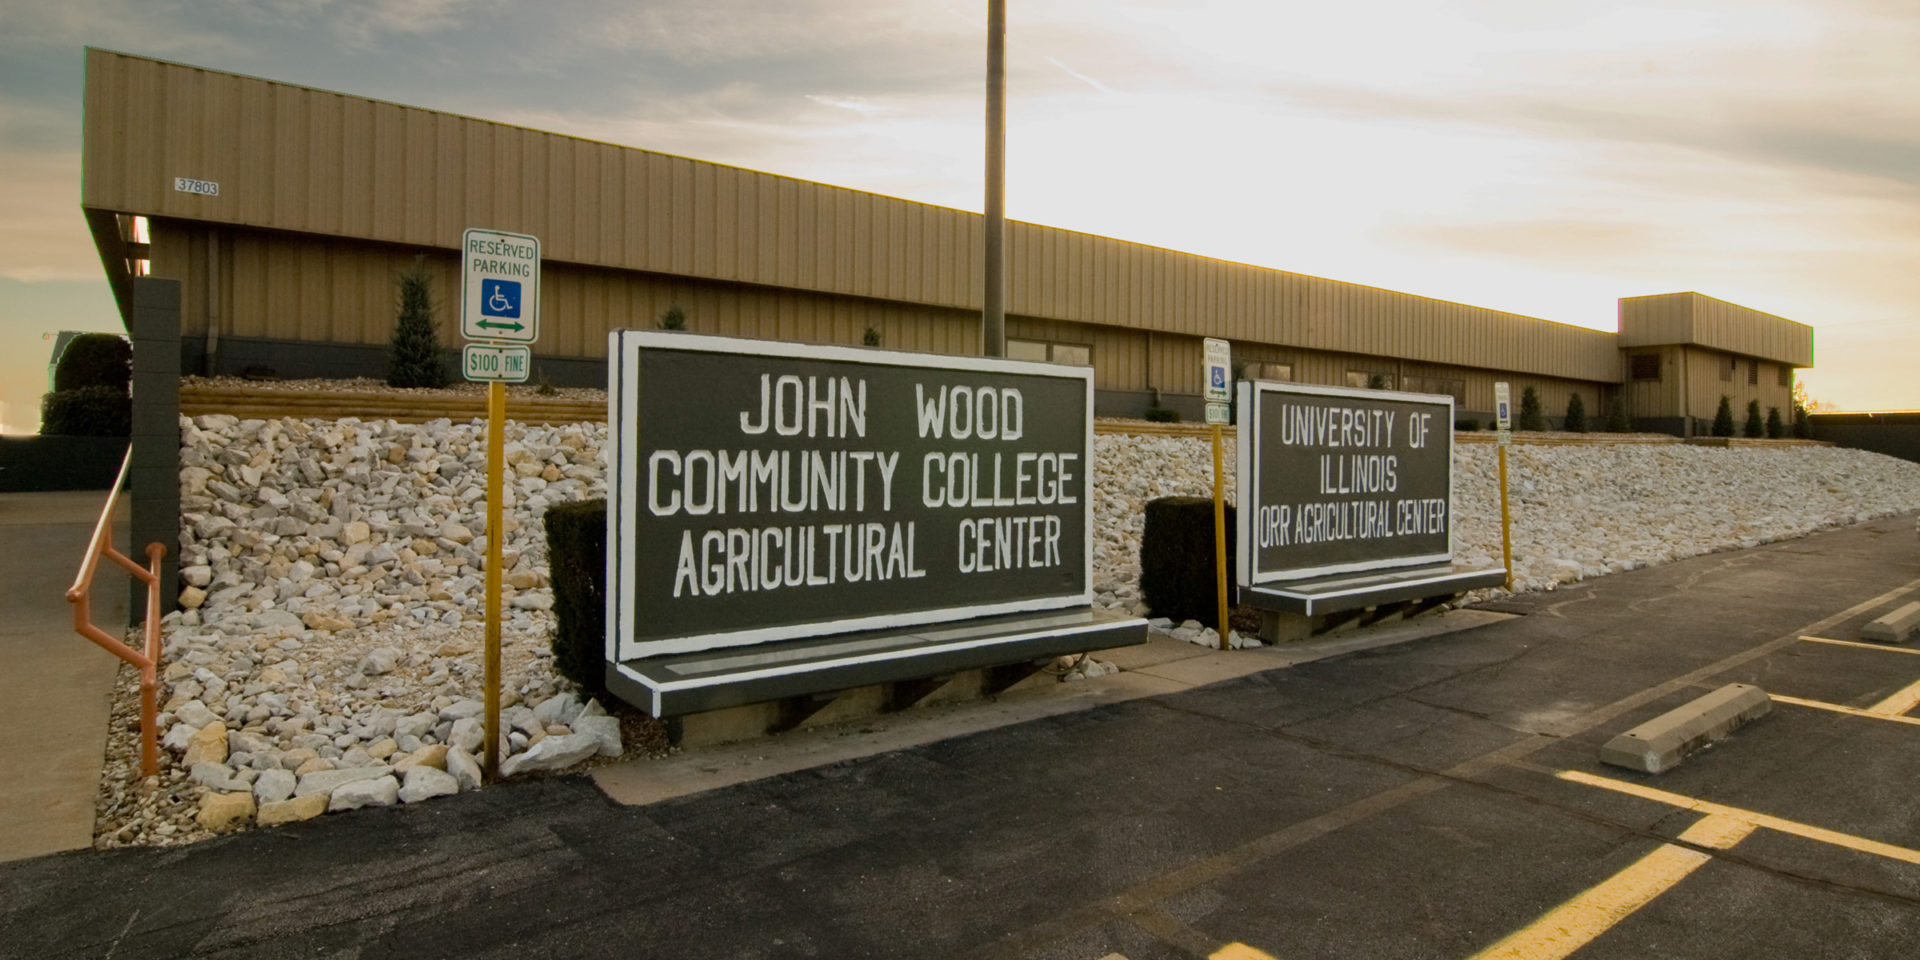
<point x="329" y="654"/>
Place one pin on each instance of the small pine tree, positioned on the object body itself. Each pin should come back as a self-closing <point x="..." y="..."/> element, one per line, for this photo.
<point x="413" y="358"/>
<point x="1377" y="381"/>
<point x="1576" y="414"/>
<point x="871" y="338"/>
<point x="674" y="319"/>
<point x="1530" y="416"/>
<point x="1802" y="423"/>
<point x="1775" y="429"/>
<point x="1723" y="418"/>
<point x="1617" y="419"/>
<point x="1754" y="428"/>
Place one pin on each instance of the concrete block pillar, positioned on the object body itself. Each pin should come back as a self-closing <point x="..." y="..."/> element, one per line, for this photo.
<point x="153" y="478"/>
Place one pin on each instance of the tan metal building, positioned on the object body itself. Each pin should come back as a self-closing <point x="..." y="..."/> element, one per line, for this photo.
<point x="286" y="213"/>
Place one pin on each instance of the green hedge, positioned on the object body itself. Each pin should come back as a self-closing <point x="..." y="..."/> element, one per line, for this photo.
<point x="96" y="411"/>
<point x="1176" y="559"/>
<point x="577" y="565"/>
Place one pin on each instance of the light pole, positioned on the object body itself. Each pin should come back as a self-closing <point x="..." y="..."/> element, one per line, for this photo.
<point x="993" y="314"/>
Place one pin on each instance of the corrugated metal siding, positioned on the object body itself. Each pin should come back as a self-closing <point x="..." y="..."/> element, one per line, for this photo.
<point x="1697" y="319"/>
<point x="308" y="161"/>
<point x="289" y="287"/>
<point x="1705" y="387"/>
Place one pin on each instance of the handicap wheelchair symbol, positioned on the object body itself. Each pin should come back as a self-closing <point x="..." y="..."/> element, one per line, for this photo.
<point x="500" y="298"/>
<point x="1219" y="376"/>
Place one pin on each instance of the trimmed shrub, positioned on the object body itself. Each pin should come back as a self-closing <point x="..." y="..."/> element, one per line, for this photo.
<point x="1802" y="423"/>
<point x="1467" y="424"/>
<point x="96" y="411"/>
<point x="1754" y="427"/>
<point x="674" y="319"/>
<point x="577" y="566"/>
<point x="1162" y="415"/>
<point x="871" y="338"/>
<point x="1530" y="416"/>
<point x="413" y="357"/>
<point x="1617" y="419"/>
<point x="1723" y="418"/>
<point x="1176" y="559"/>
<point x="94" y="360"/>
<point x="1576" y="414"/>
<point x="1775" y="429"/>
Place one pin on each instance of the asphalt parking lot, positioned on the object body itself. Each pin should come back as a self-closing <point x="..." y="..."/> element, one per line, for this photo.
<point x="1440" y="798"/>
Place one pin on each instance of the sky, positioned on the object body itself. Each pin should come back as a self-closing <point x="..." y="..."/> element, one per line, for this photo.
<point x="1541" y="158"/>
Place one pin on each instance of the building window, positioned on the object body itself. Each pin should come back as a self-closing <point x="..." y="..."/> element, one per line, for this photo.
<point x="1445" y="386"/>
<point x="1727" y="365"/>
<point x="1644" y="366"/>
<point x="1045" y="351"/>
<point x="1753" y="373"/>
<point x="1026" y="350"/>
<point x="1786" y="376"/>
<point x="1267" y="371"/>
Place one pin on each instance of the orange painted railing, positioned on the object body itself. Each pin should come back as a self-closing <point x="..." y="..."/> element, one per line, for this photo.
<point x="148" y="661"/>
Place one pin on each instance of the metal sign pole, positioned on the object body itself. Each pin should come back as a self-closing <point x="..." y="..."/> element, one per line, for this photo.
<point x="993" y="311"/>
<point x="1506" y="536"/>
<point x="1220" y="540"/>
<point x="496" y="443"/>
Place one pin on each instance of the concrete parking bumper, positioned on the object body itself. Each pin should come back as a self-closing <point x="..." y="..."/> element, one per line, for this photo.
<point x="1661" y="743"/>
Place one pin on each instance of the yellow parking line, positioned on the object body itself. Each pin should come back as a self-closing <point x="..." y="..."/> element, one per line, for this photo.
<point x="1864" y="646"/>
<point x="1768" y="821"/>
<point x="1577" y="922"/>
<point x="1842" y="708"/>
<point x="1897" y="705"/>
<point x="1238" y="951"/>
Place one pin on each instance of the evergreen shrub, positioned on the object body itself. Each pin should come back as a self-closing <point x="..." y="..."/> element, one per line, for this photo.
<point x="674" y="319"/>
<point x="1775" y="429"/>
<point x="871" y="338"/>
<point x="1617" y="419"/>
<point x="1723" y="418"/>
<point x="1530" y="416"/>
<point x="1467" y="423"/>
<point x="1576" y="414"/>
<point x="95" y="411"/>
<point x="94" y="360"/>
<point x="1176" y="559"/>
<point x="1162" y="415"/>
<point x="577" y="567"/>
<point x="1802" y="423"/>
<point x="1754" y="427"/>
<point x="413" y="357"/>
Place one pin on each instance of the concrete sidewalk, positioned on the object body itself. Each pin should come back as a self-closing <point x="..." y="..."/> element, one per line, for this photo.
<point x="56" y="688"/>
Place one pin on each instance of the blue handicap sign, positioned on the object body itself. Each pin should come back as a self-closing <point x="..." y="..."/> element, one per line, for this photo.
<point x="500" y="298"/>
<point x="1219" y="376"/>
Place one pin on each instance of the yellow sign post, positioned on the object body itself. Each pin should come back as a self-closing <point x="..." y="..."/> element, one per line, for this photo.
<point x="1220" y="540"/>
<point x="1216" y="372"/>
<point x="1503" y="423"/>
<point x="500" y="307"/>
<point x="496" y="445"/>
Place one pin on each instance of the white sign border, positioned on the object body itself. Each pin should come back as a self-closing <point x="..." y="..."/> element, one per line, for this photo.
<point x="623" y="351"/>
<point x="533" y="296"/>
<point x="1247" y="456"/>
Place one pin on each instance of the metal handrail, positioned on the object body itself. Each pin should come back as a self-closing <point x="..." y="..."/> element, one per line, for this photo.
<point x="149" y="661"/>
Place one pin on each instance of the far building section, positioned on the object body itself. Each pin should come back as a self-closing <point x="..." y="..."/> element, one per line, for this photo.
<point x="286" y="212"/>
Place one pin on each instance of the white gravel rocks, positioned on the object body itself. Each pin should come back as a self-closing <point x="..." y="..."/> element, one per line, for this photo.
<point x="334" y="576"/>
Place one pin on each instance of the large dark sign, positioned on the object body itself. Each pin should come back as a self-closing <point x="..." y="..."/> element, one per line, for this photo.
<point x="1333" y="480"/>
<point x="763" y="491"/>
